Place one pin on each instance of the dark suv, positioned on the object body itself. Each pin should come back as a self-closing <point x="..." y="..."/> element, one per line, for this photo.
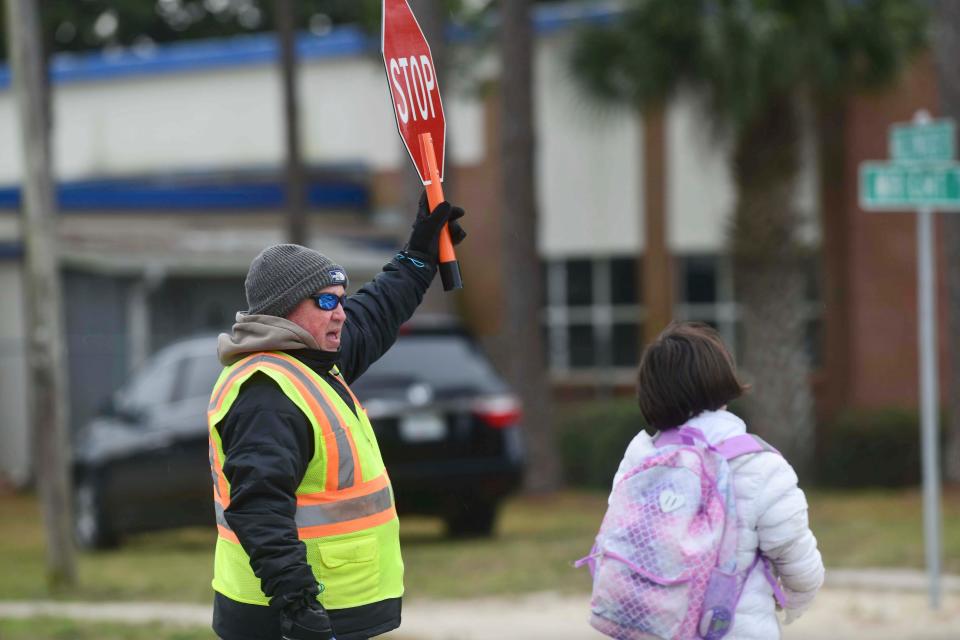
<point x="447" y="424"/>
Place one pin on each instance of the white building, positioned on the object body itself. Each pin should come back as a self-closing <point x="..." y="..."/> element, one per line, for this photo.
<point x="169" y="158"/>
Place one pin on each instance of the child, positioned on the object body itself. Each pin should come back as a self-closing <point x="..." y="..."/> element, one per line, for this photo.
<point x="686" y="378"/>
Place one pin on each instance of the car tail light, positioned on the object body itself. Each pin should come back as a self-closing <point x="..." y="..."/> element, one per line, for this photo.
<point x="498" y="412"/>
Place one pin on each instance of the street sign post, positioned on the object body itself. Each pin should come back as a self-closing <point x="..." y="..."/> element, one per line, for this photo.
<point x="922" y="177"/>
<point x="415" y="94"/>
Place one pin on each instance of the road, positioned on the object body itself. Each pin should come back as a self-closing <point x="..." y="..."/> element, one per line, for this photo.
<point x="878" y="605"/>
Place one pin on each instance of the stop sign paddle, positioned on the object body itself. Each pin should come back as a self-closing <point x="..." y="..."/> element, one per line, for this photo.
<point x="415" y="94"/>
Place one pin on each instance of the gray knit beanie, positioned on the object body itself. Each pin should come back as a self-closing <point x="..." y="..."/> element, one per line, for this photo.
<point x="284" y="274"/>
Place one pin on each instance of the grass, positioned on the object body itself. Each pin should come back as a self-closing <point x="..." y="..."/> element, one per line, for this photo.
<point x="536" y="542"/>
<point x="57" y="629"/>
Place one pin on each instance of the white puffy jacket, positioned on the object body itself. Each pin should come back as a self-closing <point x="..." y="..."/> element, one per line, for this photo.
<point x="772" y="514"/>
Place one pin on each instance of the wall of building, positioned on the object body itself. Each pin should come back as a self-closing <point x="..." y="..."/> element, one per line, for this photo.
<point x="882" y="258"/>
<point x="15" y="462"/>
<point x="216" y="107"/>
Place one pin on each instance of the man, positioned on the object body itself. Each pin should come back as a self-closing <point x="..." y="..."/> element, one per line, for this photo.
<point x="308" y="538"/>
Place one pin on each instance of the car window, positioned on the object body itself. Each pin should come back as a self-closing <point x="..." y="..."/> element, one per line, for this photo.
<point x="200" y="373"/>
<point x="451" y="364"/>
<point x="151" y="386"/>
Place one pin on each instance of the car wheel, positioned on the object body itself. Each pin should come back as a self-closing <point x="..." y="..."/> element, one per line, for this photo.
<point x="90" y="526"/>
<point x="472" y="520"/>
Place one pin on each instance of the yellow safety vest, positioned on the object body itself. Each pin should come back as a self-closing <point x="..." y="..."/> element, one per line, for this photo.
<point x="345" y="511"/>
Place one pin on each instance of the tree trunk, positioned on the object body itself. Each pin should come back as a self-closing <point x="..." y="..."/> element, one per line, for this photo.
<point x="522" y="268"/>
<point x="946" y="42"/>
<point x="770" y="282"/>
<point x="47" y="386"/>
<point x="294" y="173"/>
<point x="657" y="265"/>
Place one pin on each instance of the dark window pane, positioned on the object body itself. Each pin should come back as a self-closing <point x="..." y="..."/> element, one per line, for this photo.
<point x="579" y="283"/>
<point x="625" y="338"/>
<point x="200" y="374"/>
<point x="583" y="347"/>
<point x="814" y="342"/>
<point x="152" y="385"/>
<point x="545" y="285"/>
<point x="700" y="280"/>
<point x="623" y="281"/>
<point x="812" y="281"/>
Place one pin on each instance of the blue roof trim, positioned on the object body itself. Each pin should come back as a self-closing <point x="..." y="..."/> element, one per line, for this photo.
<point x="262" y="48"/>
<point x="11" y="250"/>
<point x="125" y="196"/>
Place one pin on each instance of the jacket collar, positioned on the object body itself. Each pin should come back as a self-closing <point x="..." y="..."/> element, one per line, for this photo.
<point x="718" y="426"/>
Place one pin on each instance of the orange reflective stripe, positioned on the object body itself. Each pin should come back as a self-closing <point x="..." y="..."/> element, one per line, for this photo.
<point x="343" y="511"/>
<point x="356" y="404"/>
<point x="347" y="504"/>
<point x="343" y="436"/>
<point x="219" y="393"/>
<point x="297" y="376"/>
<point x="356" y="491"/>
<point x="333" y="453"/>
<point x="342" y="472"/>
<point x="349" y="526"/>
<point x="220" y="489"/>
<point x="228" y="534"/>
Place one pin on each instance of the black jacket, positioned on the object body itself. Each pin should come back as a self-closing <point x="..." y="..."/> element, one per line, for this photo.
<point x="268" y="442"/>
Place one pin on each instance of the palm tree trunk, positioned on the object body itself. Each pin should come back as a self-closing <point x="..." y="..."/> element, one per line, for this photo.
<point x="522" y="267"/>
<point x="946" y="44"/>
<point x="768" y="262"/>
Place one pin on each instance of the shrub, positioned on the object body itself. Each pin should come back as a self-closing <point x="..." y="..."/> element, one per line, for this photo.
<point x="858" y="448"/>
<point x="871" y="448"/>
<point x="593" y="437"/>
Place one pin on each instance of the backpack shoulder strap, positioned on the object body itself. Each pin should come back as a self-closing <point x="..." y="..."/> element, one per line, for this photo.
<point x="741" y="445"/>
<point x="684" y="435"/>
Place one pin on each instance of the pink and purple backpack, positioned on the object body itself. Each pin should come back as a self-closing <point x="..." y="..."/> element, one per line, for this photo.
<point x="664" y="562"/>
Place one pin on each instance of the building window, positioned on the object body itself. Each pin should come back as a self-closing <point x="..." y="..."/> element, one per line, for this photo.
<point x="592" y="315"/>
<point x="705" y="294"/>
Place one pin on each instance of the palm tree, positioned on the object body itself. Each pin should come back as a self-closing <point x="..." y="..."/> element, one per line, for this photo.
<point x="756" y="63"/>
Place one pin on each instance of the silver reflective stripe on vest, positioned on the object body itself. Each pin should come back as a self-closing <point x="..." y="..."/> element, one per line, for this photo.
<point x="213" y="470"/>
<point x="344" y="510"/>
<point x="345" y="471"/>
<point x="221" y="518"/>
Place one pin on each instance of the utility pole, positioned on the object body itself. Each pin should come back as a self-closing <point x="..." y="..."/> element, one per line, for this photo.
<point x="294" y="174"/>
<point x="47" y="383"/>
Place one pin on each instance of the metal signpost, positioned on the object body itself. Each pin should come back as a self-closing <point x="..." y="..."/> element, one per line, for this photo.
<point x="922" y="176"/>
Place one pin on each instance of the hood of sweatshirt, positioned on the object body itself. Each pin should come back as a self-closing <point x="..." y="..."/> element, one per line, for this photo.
<point x="254" y="333"/>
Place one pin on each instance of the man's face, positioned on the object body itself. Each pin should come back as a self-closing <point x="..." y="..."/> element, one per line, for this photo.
<point x="324" y="326"/>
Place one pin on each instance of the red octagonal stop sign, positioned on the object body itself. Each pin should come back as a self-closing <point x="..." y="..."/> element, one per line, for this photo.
<point x="412" y="79"/>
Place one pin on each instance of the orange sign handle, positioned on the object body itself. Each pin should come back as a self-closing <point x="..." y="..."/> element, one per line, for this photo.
<point x="449" y="268"/>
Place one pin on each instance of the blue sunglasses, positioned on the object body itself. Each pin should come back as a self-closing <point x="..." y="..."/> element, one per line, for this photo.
<point x="329" y="301"/>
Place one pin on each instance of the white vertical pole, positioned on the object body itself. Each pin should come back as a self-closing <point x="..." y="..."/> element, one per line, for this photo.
<point x="929" y="397"/>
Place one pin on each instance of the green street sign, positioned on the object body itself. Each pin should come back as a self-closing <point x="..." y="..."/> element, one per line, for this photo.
<point x="896" y="187"/>
<point x="934" y="141"/>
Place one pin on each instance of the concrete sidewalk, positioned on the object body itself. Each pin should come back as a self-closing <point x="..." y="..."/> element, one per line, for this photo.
<point x="875" y="604"/>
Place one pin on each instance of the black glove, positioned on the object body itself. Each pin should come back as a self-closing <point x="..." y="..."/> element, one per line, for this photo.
<point x="302" y="618"/>
<point x="425" y="237"/>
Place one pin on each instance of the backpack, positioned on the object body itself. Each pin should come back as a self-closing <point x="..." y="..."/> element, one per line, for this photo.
<point x="664" y="562"/>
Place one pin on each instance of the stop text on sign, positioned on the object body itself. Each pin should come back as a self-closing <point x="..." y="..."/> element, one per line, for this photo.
<point x="414" y="87"/>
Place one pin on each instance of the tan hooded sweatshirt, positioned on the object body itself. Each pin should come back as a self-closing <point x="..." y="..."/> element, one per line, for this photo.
<point x="252" y="334"/>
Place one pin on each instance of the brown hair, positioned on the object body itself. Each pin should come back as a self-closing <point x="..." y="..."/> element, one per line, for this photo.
<point x="685" y="371"/>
